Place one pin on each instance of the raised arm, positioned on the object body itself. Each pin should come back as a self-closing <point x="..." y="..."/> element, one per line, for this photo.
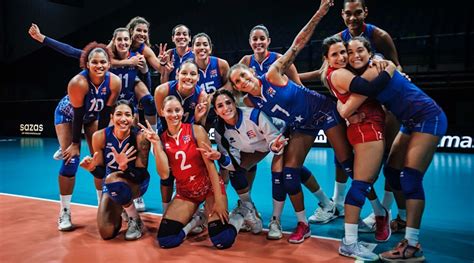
<point x="277" y="70"/>
<point x="384" y="42"/>
<point x="60" y="47"/>
<point x="161" y="160"/>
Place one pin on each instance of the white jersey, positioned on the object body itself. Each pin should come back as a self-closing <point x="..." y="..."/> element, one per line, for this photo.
<point x="254" y="132"/>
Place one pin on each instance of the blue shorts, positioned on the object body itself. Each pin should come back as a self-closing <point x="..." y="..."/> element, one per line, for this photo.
<point x="436" y="126"/>
<point x="326" y="118"/>
<point x="64" y="113"/>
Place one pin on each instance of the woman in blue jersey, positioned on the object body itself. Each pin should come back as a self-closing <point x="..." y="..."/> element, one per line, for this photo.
<point x="423" y="124"/>
<point x="120" y="159"/>
<point x="261" y="59"/>
<point x="91" y="94"/>
<point x="304" y="111"/>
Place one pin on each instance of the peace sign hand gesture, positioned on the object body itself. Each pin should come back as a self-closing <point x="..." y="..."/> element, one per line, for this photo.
<point x="208" y="152"/>
<point x="149" y="133"/>
<point x="279" y="144"/>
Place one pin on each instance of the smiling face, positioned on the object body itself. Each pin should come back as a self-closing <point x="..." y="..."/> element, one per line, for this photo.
<point x="122" y="41"/>
<point x="188" y="77"/>
<point x="243" y="79"/>
<point x="173" y="112"/>
<point x="181" y="37"/>
<point x="140" y="33"/>
<point x="225" y="108"/>
<point x="358" y="54"/>
<point x="122" y="118"/>
<point x="259" y="41"/>
<point x="337" y="55"/>
<point x="202" y="48"/>
<point x="98" y="63"/>
<point x="354" y="15"/>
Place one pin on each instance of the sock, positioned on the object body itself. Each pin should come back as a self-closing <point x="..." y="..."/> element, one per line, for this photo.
<point x="131" y="211"/>
<point x="245" y="197"/>
<point x="237" y="221"/>
<point x="339" y="193"/>
<point x="301" y="216"/>
<point x="377" y="207"/>
<point x="277" y="208"/>
<point x="99" y="195"/>
<point x="387" y="200"/>
<point x="412" y="234"/>
<point x="350" y="235"/>
<point x="192" y="224"/>
<point x="402" y="213"/>
<point x="65" y="201"/>
<point x="165" y="206"/>
<point x="322" y="197"/>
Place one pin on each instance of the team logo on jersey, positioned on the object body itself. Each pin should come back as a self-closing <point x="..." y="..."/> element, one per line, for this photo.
<point x="167" y="146"/>
<point x="103" y="91"/>
<point x="213" y="73"/>
<point x="251" y="134"/>
<point x="260" y="105"/>
<point x="192" y="105"/>
<point x="271" y="92"/>
<point x="186" y="139"/>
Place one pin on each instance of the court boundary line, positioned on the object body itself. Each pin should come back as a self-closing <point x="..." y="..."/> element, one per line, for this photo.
<point x="146" y="213"/>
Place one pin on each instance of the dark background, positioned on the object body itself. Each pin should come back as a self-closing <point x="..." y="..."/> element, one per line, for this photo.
<point x="434" y="41"/>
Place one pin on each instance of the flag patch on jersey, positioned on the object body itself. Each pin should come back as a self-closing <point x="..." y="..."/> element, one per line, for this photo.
<point x="103" y="91"/>
<point x="271" y="92"/>
<point x="213" y="73"/>
<point x="251" y="134"/>
<point x="186" y="139"/>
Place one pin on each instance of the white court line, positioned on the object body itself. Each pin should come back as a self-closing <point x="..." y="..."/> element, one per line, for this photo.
<point x="148" y="213"/>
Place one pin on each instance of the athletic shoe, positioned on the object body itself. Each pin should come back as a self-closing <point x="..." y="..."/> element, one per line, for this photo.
<point x="58" y="155"/>
<point x="135" y="229"/>
<point x="398" y="225"/>
<point x="139" y="204"/>
<point x="324" y="215"/>
<point x="274" y="230"/>
<point x="252" y="218"/>
<point x="382" y="227"/>
<point x="357" y="250"/>
<point x="64" y="220"/>
<point x="201" y="222"/>
<point x="124" y="215"/>
<point x="403" y="253"/>
<point x="301" y="232"/>
<point x="364" y="228"/>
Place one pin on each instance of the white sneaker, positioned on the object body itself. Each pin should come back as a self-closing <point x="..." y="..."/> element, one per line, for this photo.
<point x="135" y="229"/>
<point x="340" y="210"/>
<point x="139" y="204"/>
<point x="365" y="228"/>
<point x="64" y="220"/>
<point x="357" y="250"/>
<point x="58" y="155"/>
<point x="274" y="230"/>
<point x="324" y="215"/>
<point x="201" y="222"/>
<point x="251" y="217"/>
<point x="124" y="215"/>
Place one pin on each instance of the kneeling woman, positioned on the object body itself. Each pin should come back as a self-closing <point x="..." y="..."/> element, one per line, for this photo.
<point x="121" y="157"/>
<point x="197" y="181"/>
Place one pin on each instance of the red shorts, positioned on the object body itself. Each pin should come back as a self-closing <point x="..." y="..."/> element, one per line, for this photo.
<point x="200" y="195"/>
<point x="365" y="132"/>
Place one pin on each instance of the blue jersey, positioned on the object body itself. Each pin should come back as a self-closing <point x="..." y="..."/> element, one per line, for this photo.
<point x="407" y="102"/>
<point x="210" y="79"/>
<point x="298" y="106"/>
<point x="177" y="61"/>
<point x="189" y="103"/>
<point x="97" y="97"/>
<point x="367" y="33"/>
<point x="128" y="75"/>
<point x="112" y="141"/>
<point x="262" y="68"/>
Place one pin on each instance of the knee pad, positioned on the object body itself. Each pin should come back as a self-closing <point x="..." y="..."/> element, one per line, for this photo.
<point x="392" y="176"/>
<point x="70" y="169"/>
<point x="168" y="181"/>
<point x="292" y="180"/>
<point x="148" y="105"/>
<point x="222" y="235"/>
<point x="305" y="174"/>
<point x="238" y="180"/>
<point x="411" y="181"/>
<point x="278" y="190"/>
<point x="357" y="193"/>
<point x="348" y="166"/>
<point x="170" y="234"/>
<point x="119" y="192"/>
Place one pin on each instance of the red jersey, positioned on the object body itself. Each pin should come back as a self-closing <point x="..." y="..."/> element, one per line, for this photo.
<point x="186" y="163"/>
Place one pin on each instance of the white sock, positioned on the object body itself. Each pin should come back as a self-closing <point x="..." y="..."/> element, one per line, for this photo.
<point x="322" y="197"/>
<point x="277" y="208"/>
<point x="402" y="213"/>
<point x="237" y="221"/>
<point x="65" y="201"/>
<point x="339" y="193"/>
<point x="165" y="206"/>
<point x="412" y="234"/>
<point x="387" y="200"/>
<point x="192" y="224"/>
<point x="131" y="211"/>
<point x="350" y="234"/>
<point x="99" y="195"/>
<point x="377" y="207"/>
<point x="301" y="216"/>
<point x="245" y="197"/>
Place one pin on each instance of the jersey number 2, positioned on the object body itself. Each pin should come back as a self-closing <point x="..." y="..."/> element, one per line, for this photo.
<point x="183" y="166"/>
